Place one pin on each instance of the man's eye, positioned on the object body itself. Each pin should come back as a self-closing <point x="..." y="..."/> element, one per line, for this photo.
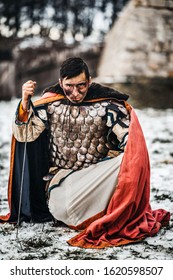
<point x="82" y="84"/>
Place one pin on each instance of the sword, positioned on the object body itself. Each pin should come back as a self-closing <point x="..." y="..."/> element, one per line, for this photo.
<point x="22" y="175"/>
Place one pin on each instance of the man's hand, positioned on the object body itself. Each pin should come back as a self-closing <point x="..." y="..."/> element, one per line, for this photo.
<point x="28" y="89"/>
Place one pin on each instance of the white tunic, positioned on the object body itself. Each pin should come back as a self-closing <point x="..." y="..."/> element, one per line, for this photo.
<point x="84" y="193"/>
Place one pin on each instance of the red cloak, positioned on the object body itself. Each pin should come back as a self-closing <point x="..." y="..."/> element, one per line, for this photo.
<point x="129" y="217"/>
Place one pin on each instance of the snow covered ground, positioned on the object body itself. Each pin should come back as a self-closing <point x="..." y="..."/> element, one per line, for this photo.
<point x="45" y="241"/>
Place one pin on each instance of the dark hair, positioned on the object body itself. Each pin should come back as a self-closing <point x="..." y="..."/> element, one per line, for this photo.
<point x="73" y="67"/>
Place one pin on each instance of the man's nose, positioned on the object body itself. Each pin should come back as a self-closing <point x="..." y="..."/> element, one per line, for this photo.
<point x="75" y="91"/>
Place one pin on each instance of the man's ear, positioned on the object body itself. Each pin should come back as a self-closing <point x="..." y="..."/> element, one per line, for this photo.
<point x="90" y="81"/>
<point x="60" y="83"/>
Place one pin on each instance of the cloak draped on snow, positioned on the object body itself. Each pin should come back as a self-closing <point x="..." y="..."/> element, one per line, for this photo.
<point x="128" y="217"/>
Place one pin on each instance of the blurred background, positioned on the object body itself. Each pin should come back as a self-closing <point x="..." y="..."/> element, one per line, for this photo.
<point x="127" y="44"/>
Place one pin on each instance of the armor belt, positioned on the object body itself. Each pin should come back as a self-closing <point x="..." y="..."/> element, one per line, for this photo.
<point x="77" y="134"/>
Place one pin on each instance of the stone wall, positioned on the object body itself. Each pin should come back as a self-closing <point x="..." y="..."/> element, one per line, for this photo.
<point x="155" y="3"/>
<point x="140" y="43"/>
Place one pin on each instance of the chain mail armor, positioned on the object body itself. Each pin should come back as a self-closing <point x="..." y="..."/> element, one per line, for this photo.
<point x="77" y="134"/>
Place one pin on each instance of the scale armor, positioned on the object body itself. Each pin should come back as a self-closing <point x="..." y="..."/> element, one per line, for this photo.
<point x="77" y="134"/>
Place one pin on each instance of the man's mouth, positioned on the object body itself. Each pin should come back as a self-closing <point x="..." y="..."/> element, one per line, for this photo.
<point x="76" y="100"/>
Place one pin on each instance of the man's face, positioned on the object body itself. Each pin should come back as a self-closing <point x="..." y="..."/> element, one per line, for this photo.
<point x="75" y="88"/>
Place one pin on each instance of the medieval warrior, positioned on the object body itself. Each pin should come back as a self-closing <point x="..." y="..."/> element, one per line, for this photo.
<point x="86" y="162"/>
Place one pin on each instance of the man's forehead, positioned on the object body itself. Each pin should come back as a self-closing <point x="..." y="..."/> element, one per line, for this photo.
<point x="80" y="77"/>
